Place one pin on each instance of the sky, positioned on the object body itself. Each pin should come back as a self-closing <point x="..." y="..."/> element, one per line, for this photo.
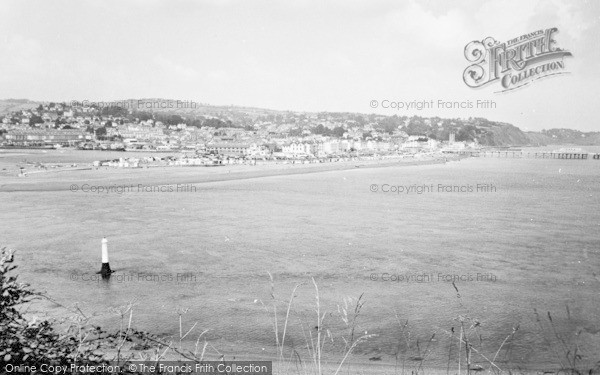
<point x="301" y="55"/>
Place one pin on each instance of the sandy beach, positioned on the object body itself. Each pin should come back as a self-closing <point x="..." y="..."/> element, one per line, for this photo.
<point x="75" y="168"/>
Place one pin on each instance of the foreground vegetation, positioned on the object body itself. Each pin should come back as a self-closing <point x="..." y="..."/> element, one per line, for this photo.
<point x="29" y="341"/>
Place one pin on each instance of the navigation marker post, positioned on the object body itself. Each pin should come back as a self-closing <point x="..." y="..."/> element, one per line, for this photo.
<point x="105" y="270"/>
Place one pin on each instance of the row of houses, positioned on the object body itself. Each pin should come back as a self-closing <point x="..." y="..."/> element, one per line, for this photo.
<point x="138" y="131"/>
<point x="295" y="149"/>
<point x="344" y="146"/>
<point x="333" y="147"/>
<point x="49" y="136"/>
<point x="238" y="149"/>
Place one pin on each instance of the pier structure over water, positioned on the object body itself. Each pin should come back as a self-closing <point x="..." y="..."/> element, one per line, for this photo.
<point x="531" y="155"/>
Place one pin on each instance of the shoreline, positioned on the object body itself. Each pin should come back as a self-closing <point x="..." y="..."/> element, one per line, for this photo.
<point x="52" y="180"/>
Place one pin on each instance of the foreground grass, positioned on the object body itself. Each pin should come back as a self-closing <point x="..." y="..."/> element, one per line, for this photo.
<point x="318" y="349"/>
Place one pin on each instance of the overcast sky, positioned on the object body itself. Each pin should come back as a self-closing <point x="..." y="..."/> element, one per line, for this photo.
<point x="296" y="55"/>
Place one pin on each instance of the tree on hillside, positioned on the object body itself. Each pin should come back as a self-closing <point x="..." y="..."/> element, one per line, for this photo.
<point x="169" y="119"/>
<point x="467" y="133"/>
<point x="101" y="132"/>
<point x="338" y="132"/>
<point x="390" y="124"/>
<point x="35" y="119"/>
<point x="320" y="130"/>
<point x="195" y="122"/>
<point x="143" y="115"/>
<point x="417" y="126"/>
<point x="114" y="111"/>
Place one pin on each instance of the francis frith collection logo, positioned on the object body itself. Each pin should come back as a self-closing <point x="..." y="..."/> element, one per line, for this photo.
<point x="514" y="63"/>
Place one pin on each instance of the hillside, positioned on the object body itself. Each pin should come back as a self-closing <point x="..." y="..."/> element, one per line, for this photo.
<point x="564" y="136"/>
<point x="484" y="131"/>
<point x="12" y="105"/>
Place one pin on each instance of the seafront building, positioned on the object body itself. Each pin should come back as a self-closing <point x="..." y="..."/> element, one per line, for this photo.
<point x="47" y="136"/>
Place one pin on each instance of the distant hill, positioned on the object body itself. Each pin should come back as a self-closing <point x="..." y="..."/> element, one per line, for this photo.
<point x="11" y="105"/>
<point x="564" y="136"/>
<point x="196" y="108"/>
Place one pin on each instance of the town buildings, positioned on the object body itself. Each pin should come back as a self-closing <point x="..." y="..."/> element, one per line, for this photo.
<point x="227" y="134"/>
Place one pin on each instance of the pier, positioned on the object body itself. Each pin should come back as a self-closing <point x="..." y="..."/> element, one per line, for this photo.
<point x="529" y="155"/>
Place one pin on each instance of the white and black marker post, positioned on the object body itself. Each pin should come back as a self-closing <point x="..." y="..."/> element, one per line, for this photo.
<point x="105" y="270"/>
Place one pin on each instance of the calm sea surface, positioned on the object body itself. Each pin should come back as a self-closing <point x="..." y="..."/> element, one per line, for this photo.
<point x="530" y="242"/>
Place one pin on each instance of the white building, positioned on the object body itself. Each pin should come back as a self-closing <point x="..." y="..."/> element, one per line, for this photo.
<point x="296" y="149"/>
